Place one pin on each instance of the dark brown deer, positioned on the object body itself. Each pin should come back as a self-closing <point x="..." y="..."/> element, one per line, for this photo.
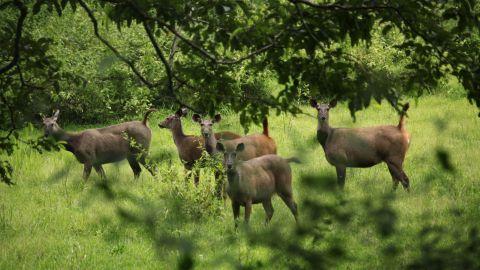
<point x="364" y="147"/>
<point x="189" y="147"/>
<point x="94" y="147"/>
<point x="256" y="181"/>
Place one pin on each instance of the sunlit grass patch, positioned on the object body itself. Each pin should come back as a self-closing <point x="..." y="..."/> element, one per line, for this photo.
<point x="52" y="218"/>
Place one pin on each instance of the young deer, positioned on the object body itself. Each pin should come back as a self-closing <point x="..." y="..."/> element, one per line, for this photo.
<point x="94" y="147"/>
<point x="256" y="181"/>
<point x="189" y="147"/>
<point x="364" y="147"/>
<point x="256" y="145"/>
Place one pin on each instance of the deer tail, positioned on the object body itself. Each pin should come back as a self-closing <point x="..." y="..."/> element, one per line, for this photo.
<point x="145" y="118"/>
<point x="265" y="126"/>
<point x="401" y="124"/>
<point x="294" y="160"/>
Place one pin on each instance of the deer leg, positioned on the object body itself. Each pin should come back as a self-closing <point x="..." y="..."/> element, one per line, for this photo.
<point x="341" y="171"/>
<point x="100" y="171"/>
<point x="405" y="181"/>
<point x="394" y="178"/>
<point x="290" y="202"/>
<point x="248" y="210"/>
<point x="188" y="173"/>
<point x="236" y="212"/>
<point x="398" y="173"/>
<point x="191" y="170"/>
<point x="219" y="185"/>
<point x="267" y="206"/>
<point x="135" y="166"/>
<point x="87" y="169"/>
<point x="196" y="177"/>
<point x="151" y="168"/>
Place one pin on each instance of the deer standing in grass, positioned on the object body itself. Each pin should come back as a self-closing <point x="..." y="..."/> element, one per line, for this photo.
<point x="94" y="147"/>
<point x="189" y="147"/>
<point x="210" y="141"/>
<point x="256" y="181"/>
<point x="364" y="147"/>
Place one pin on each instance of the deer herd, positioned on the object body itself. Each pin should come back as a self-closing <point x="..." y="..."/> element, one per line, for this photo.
<point x="253" y="170"/>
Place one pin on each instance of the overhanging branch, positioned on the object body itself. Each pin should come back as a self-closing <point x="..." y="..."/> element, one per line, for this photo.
<point x="18" y="36"/>
<point x="113" y="49"/>
<point x="396" y="10"/>
<point x="167" y="66"/>
<point x="160" y="55"/>
<point x="199" y="49"/>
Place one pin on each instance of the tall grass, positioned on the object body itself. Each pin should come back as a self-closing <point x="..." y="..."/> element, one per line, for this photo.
<point x="52" y="219"/>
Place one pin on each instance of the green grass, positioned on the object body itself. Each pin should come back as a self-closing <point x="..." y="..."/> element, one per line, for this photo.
<point x="52" y="219"/>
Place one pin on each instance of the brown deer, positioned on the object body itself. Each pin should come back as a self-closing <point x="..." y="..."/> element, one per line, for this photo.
<point x="94" y="147"/>
<point x="206" y="130"/>
<point x="256" y="181"/>
<point x="256" y="145"/>
<point x="364" y="147"/>
<point x="189" y="147"/>
<point x="210" y="141"/>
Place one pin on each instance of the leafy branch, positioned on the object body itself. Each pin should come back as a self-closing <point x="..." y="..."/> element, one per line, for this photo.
<point x="18" y="34"/>
<point x="199" y="49"/>
<point x="130" y="63"/>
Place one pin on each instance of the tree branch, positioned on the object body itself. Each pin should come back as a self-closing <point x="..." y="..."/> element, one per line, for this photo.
<point x="11" y="115"/>
<point x="304" y="23"/>
<point x="167" y="66"/>
<point x="201" y="51"/>
<point x="113" y="49"/>
<point x="397" y="11"/>
<point x="160" y="55"/>
<point x="18" y="36"/>
<point x="173" y="50"/>
<point x="252" y="54"/>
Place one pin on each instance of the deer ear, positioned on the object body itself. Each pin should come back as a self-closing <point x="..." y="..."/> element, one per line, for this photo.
<point x="313" y="103"/>
<point x="196" y="117"/>
<point x="39" y="116"/>
<point x="332" y="103"/>
<point x="220" y="147"/>
<point x="181" y="112"/>
<point x="240" y="147"/>
<point x="55" y="115"/>
<point x="217" y="118"/>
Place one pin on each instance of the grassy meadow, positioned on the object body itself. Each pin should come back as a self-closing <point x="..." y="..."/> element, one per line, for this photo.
<point x="52" y="219"/>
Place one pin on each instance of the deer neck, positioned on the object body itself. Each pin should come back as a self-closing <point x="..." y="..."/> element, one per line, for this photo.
<point x="178" y="135"/>
<point x="231" y="176"/>
<point x="62" y="135"/>
<point x="210" y="144"/>
<point x="323" y="131"/>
